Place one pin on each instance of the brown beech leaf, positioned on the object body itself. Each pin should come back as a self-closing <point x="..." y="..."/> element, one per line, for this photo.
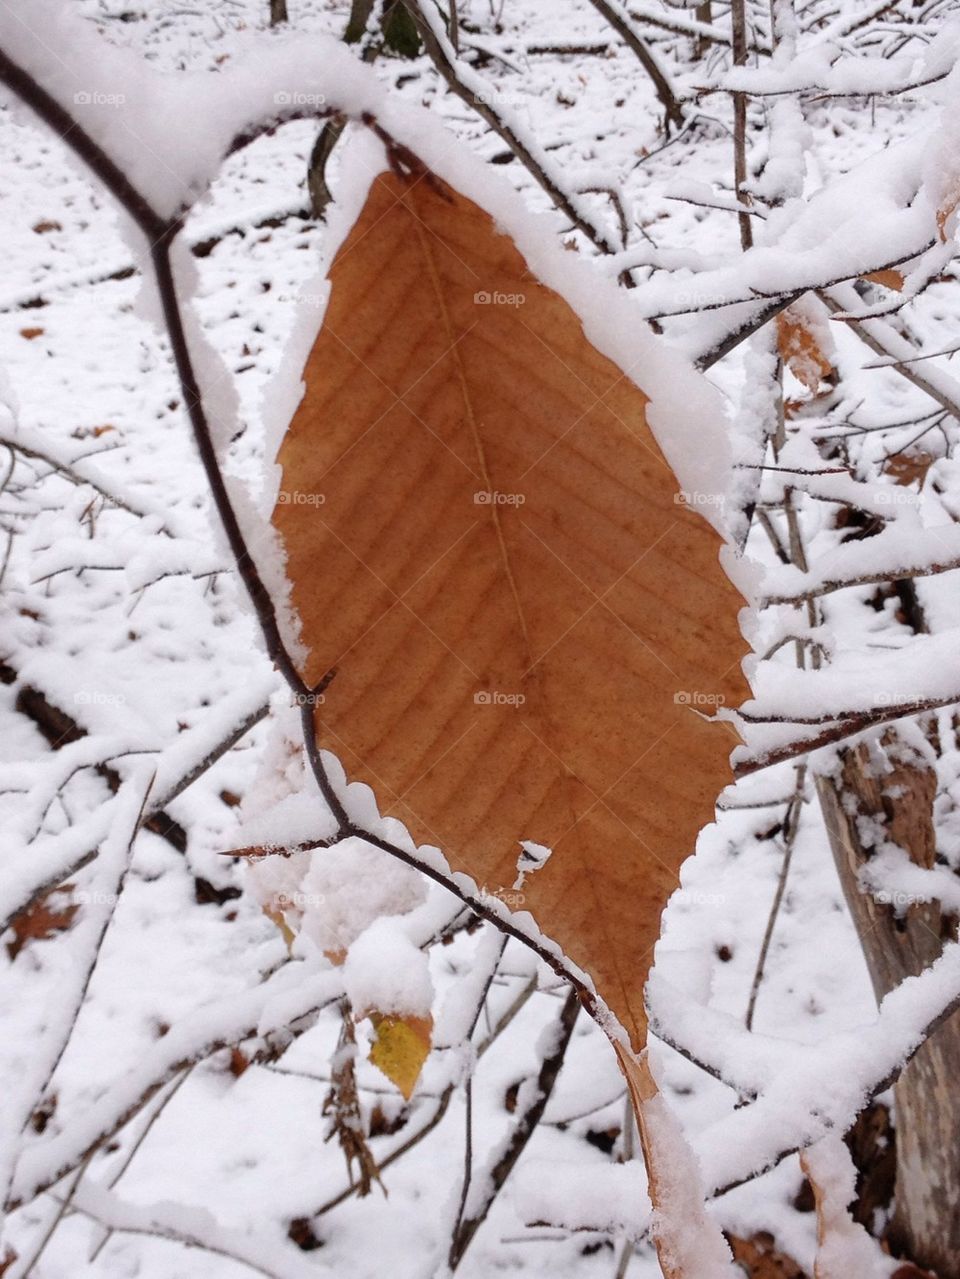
<point x="801" y="346"/>
<point x="518" y="622"/>
<point x="843" y="1245"/>
<point x="889" y="277"/>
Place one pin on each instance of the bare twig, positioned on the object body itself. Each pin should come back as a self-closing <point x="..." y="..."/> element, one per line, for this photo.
<point x="619" y="19"/>
<point x="879" y="1087"/>
<point x="522" y="1132"/>
<point x="791" y="824"/>
<point x="443" y="58"/>
<point x="342" y="1103"/>
<point x="738" y="18"/>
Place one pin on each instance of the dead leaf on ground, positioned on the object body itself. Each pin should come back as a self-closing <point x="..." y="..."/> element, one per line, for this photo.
<point x="53" y="913"/>
<point x="518" y="621"/>
<point x="760" y="1258"/>
<point x="908" y="468"/>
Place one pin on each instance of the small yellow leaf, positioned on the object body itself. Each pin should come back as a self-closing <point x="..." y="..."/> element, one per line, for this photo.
<point x="280" y="920"/>
<point x="401" y="1046"/>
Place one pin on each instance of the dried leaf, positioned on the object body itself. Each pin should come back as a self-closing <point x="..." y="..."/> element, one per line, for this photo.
<point x="400" y="1047"/>
<point x="342" y="1105"/>
<point x="759" y="1258"/>
<point x="843" y="1245"/>
<point x="279" y="918"/>
<point x="689" y="1242"/>
<point x="239" y="1061"/>
<point x="889" y="277"/>
<point x="53" y="913"/>
<point x="909" y="468"/>
<point x="803" y="343"/>
<point x="946" y="211"/>
<point x="517" y="620"/>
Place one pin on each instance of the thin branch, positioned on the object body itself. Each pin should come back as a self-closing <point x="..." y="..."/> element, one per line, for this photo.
<point x="138" y="1142"/>
<point x="620" y="21"/>
<point x="864" y="579"/>
<point x="738" y="18"/>
<point x="791" y="824"/>
<point x="857" y="722"/>
<point x="441" y="54"/>
<point x="523" y="1130"/>
<point x="879" y="1087"/>
<point x="155" y="818"/>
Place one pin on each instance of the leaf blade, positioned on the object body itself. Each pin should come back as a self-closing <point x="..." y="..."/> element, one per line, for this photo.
<point x="490" y="651"/>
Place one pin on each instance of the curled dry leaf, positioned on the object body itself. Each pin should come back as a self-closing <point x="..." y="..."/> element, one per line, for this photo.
<point x="517" y="621"/>
<point x="804" y="344"/>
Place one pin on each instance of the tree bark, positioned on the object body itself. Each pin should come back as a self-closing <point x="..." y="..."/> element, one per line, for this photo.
<point x="893" y="785"/>
<point x="704" y="13"/>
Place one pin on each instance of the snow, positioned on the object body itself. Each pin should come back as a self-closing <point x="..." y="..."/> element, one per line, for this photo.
<point x="385" y="972"/>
